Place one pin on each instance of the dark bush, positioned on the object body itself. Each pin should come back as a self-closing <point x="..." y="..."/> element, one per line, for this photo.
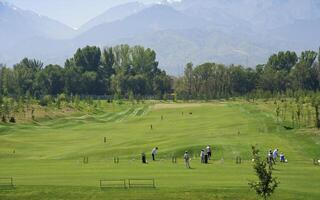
<point x="12" y="120"/>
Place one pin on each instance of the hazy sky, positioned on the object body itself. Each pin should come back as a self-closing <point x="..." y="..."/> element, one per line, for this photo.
<point x="71" y="12"/>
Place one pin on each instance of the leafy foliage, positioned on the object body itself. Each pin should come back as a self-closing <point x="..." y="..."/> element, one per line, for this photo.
<point x="266" y="184"/>
<point x="121" y="69"/>
<point x="283" y="72"/>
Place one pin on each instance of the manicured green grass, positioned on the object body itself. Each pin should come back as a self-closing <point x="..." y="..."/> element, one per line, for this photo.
<point x="48" y="159"/>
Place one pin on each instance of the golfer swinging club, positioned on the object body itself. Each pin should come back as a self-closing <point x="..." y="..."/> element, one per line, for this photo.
<point x="154" y="153"/>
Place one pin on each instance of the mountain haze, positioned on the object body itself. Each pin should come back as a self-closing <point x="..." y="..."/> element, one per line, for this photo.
<point x="231" y="31"/>
<point x="152" y="19"/>
<point x="113" y="14"/>
<point x="26" y="30"/>
<point x="24" y="24"/>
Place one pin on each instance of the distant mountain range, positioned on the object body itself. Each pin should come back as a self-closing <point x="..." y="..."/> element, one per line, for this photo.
<point x="230" y="31"/>
<point x="114" y="14"/>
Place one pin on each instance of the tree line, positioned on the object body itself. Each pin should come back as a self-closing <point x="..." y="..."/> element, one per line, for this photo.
<point x="120" y="71"/>
<point x="132" y="72"/>
<point x="284" y="72"/>
<point x="123" y="71"/>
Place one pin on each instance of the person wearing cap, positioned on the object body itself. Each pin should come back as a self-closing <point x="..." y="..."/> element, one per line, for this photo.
<point x="187" y="159"/>
<point x="154" y="153"/>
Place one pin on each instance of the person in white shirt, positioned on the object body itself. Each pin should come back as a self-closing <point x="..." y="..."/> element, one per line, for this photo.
<point x="275" y="154"/>
<point x="187" y="159"/>
<point x="202" y="156"/>
<point x="208" y="149"/>
<point x="154" y="153"/>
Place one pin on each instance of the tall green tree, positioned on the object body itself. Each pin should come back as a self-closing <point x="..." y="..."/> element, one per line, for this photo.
<point x="50" y="80"/>
<point x="26" y="72"/>
<point x="189" y="79"/>
<point x="242" y="80"/>
<point x="304" y="73"/>
<point x="266" y="184"/>
<point x="8" y="82"/>
<point x="275" y="77"/>
<point x="88" y="58"/>
<point x="73" y="78"/>
<point x="90" y="84"/>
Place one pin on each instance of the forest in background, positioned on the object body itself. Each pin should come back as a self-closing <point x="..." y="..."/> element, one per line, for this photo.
<point x="112" y="71"/>
<point x="284" y="73"/>
<point x="124" y="72"/>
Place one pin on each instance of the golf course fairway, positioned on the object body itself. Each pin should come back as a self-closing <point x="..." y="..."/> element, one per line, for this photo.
<point x="46" y="158"/>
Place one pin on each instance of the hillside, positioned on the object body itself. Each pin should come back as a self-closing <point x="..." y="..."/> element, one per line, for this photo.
<point x="25" y="31"/>
<point x="155" y="18"/>
<point x="241" y="32"/>
<point x="198" y="46"/>
<point x="113" y="14"/>
<point x="18" y="25"/>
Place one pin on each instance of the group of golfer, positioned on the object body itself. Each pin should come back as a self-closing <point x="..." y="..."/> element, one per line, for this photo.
<point x="273" y="156"/>
<point x="205" y="156"/>
<point x="206" y="153"/>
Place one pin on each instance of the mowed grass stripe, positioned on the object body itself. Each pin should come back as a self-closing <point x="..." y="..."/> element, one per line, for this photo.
<point x="49" y="156"/>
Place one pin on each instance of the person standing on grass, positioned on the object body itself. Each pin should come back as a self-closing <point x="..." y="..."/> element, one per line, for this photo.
<point x="187" y="159"/>
<point x="144" y="158"/>
<point x="275" y="154"/>
<point x="154" y="153"/>
<point x="282" y="158"/>
<point x="270" y="158"/>
<point x="202" y="156"/>
<point x="209" y="152"/>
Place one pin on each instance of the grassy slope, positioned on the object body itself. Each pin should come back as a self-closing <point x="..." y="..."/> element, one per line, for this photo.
<point x="48" y="158"/>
